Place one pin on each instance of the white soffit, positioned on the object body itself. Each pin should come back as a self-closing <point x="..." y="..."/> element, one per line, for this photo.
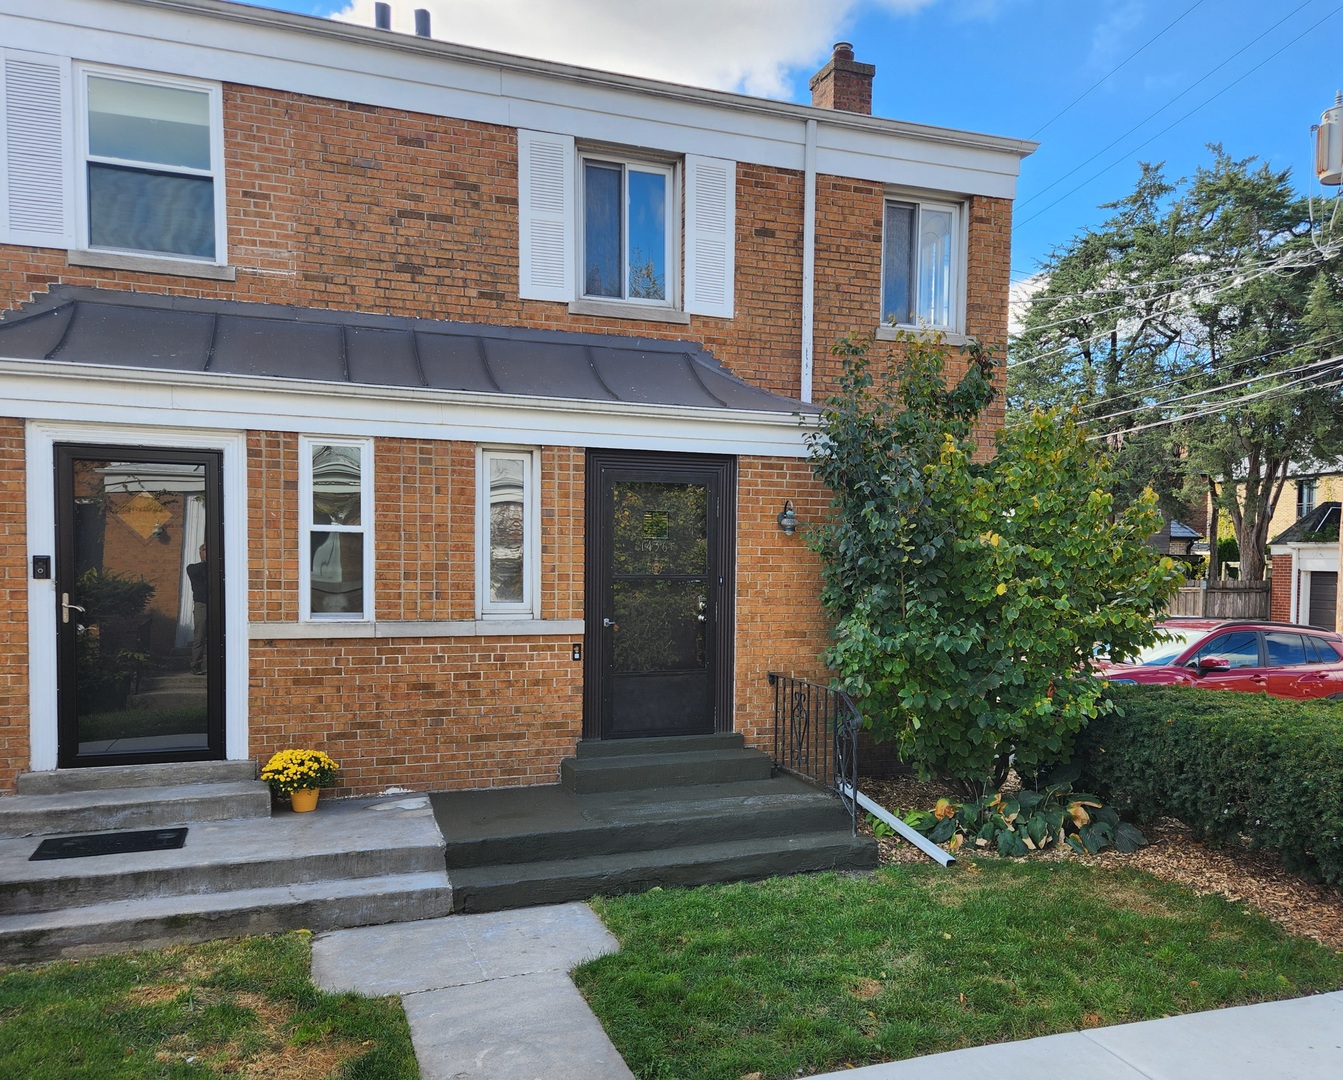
<point x="342" y="62"/>
<point x="88" y="393"/>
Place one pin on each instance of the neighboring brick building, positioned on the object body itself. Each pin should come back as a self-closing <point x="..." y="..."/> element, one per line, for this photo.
<point x="482" y="380"/>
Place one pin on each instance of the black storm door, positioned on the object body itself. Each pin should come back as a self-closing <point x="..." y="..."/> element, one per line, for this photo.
<point x="659" y="612"/>
<point x="139" y="595"/>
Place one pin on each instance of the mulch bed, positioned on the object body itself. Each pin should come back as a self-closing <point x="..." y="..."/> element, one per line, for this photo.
<point x="1254" y="878"/>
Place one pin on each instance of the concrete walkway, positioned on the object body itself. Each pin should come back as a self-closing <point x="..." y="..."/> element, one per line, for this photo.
<point x="490" y="996"/>
<point x="486" y="995"/>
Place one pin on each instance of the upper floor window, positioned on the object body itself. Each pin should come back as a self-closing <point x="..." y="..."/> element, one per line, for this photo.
<point x="150" y="177"/>
<point x="1305" y="497"/>
<point x="627" y="239"/>
<point x="921" y="264"/>
<point x="336" y="507"/>
<point x="604" y="232"/>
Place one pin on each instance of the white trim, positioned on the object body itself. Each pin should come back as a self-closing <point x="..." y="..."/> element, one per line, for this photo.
<point x="214" y="97"/>
<point x="42" y="435"/>
<point x="387" y="628"/>
<point x="530" y="605"/>
<point x="808" y="264"/>
<point x="106" y="394"/>
<point x="306" y="445"/>
<point x="320" y="57"/>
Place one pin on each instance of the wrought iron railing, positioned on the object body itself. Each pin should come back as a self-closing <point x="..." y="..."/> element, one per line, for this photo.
<point x="816" y="736"/>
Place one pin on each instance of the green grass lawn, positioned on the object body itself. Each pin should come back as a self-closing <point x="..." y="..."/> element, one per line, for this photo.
<point x="223" y="1008"/>
<point x="814" y="973"/>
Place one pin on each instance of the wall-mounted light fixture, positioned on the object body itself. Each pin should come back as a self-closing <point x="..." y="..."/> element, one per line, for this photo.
<point x="787" y="519"/>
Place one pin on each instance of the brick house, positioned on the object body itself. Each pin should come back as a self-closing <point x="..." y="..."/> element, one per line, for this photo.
<point x="437" y="406"/>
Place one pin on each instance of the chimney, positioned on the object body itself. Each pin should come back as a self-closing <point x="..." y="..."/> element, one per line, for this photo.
<point x="422" y="22"/>
<point x="844" y="83"/>
<point x="382" y="16"/>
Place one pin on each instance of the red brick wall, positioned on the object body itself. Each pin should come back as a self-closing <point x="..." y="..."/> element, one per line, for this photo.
<point x="1280" y="598"/>
<point x="14" y="752"/>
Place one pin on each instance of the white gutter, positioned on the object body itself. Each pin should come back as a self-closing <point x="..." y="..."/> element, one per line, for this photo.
<point x="912" y="835"/>
<point x="808" y="260"/>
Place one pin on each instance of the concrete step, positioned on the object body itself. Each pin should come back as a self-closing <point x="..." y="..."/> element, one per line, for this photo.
<point x="497" y="887"/>
<point x="662" y="769"/>
<point x="59" y="781"/>
<point x="217" y="857"/>
<point x="102" y="809"/>
<point x="753" y="811"/>
<point x="352" y="863"/>
<point x="675" y="744"/>
<point x="170" y="920"/>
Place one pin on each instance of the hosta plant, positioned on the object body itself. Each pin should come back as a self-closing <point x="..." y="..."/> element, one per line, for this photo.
<point x="299" y="770"/>
<point x="1031" y="820"/>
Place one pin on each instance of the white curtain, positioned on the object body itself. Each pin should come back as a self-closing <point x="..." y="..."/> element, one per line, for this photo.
<point x="193" y="536"/>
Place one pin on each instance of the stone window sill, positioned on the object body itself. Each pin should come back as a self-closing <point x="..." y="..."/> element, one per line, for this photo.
<point x="151" y="264"/>
<point x="644" y="312"/>
<point x="336" y="628"/>
<point x="891" y="333"/>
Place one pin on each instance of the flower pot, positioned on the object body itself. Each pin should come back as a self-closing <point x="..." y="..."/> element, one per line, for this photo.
<point x="304" y="800"/>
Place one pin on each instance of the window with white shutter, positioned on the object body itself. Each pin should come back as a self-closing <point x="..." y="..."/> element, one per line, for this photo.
<point x="602" y="231"/>
<point x="35" y="150"/>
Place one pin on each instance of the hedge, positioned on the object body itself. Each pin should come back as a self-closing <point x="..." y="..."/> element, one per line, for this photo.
<point x="1229" y="765"/>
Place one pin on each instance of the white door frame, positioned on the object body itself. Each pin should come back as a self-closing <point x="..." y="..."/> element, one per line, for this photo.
<point x="42" y="436"/>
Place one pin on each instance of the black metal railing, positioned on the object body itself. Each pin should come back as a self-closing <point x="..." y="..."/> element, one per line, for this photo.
<point x="816" y="736"/>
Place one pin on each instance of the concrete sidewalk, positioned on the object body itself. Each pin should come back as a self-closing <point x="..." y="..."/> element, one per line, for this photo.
<point x="487" y="996"/>
<point x="490" y="996"/>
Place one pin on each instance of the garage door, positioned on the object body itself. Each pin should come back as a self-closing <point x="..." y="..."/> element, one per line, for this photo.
<point x="1324" y="598"/>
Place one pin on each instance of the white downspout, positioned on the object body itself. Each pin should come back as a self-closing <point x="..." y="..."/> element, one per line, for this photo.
<point x="808" y="260"/>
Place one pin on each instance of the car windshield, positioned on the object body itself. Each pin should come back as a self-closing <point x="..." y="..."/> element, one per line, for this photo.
<point x="1172" y="643"/>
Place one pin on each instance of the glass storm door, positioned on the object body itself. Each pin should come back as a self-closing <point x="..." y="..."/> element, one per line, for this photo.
<point x="139" y="620"/>
<point x="657" y="619"/>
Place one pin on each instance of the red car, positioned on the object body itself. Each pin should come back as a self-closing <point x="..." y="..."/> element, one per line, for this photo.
<point x="1281" y="659"/>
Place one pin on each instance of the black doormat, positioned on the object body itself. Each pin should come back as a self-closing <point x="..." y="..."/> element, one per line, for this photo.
<point x="112" y="843"/>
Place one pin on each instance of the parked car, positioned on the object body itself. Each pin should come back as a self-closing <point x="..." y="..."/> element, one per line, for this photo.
<point x="1282" y="659"/>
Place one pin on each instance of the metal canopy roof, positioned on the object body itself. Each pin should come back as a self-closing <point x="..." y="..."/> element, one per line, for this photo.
<point x="227" y="337"/>
<point x="1324" y="516"/>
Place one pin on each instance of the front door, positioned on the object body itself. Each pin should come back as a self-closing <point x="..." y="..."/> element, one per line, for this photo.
<point x="139" y="620"/>
<point x="659" y="595"/>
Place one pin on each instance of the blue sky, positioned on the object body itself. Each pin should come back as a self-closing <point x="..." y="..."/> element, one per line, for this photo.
<point x="1251" y="75"/>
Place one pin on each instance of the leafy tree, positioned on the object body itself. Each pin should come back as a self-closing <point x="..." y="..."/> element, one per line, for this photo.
<point x="1193" y="330"/>
<point x="969" y="596"/>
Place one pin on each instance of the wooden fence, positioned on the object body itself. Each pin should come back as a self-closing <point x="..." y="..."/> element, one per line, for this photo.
<point x="1222" y="600"/>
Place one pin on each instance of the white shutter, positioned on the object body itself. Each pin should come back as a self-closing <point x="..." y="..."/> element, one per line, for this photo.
<point x="545" y="216"/>
<point x="36" y="164"/>
<point x="711" y="235"/>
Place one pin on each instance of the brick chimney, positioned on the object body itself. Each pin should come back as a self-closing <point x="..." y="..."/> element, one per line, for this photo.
<point x="844" y="83"/>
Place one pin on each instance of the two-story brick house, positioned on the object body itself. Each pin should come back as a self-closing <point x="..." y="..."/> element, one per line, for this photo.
<point x="430" y="405"/>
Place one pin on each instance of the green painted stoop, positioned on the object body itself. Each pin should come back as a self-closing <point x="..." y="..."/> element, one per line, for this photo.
<point x="715" y="816"/>
<point x="354" y="862"/>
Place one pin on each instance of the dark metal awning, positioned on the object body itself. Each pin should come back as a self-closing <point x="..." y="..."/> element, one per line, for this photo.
<point x="227" y="337"/>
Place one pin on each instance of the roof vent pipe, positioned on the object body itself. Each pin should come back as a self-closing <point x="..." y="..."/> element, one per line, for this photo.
<point x="422" y="22"/>
<point x="382" y="16"/>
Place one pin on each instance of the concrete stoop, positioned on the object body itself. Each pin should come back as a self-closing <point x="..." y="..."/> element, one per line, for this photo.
<point x="355" y="862"/>
<point x="520" y="847"/>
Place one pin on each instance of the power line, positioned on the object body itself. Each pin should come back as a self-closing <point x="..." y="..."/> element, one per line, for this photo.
<point x="1114" y="69"/>
<point x="1181" y="120"/>
<point x="1151" y="116"/>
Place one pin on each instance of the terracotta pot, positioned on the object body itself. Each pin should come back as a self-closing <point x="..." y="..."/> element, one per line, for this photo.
<point x="304" y="800"/>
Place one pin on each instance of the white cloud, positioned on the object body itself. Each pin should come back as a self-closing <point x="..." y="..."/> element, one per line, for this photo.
<point x="749" y="46"/>
<point x="1110" y="40"/>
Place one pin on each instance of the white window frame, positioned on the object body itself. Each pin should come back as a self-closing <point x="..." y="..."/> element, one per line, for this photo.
<point x="306" y="445"/>
<point x="1307" y="496"/>
<point x="214" y="93"/>
<point x="530" y="606"/>
<point x="921" y="201"/>
<point x="671" y="227"/>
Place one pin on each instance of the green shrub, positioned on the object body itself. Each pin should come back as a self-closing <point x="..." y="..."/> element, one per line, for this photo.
<point x="1229" y="765"/>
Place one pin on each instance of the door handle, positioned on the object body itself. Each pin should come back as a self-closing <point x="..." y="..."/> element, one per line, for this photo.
<point x="611" y="623"/>
<point x="67" y="607"/>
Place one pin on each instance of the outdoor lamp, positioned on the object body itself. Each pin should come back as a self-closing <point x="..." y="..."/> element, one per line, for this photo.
<point x="787" y="519"/>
